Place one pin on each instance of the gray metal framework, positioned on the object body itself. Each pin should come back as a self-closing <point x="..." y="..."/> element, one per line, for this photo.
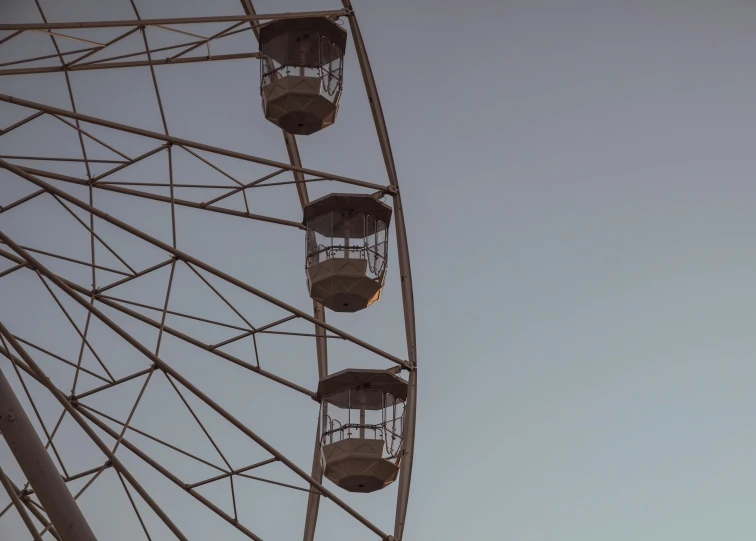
<point x="45" y="501"/>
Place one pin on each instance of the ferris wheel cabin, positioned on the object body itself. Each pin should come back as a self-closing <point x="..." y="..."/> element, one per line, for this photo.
<point x="301" y="72"/>
<point x="361" y="442"/>
<point x="347" y="245"/>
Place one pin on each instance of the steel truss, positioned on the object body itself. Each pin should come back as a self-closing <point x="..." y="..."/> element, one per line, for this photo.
<point x="38" y="502"/>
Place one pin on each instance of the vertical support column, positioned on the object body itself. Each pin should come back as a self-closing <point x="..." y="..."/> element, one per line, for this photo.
<point x="39" y="468"/>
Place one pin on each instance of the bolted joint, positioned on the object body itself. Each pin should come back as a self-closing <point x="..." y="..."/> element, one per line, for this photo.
<point x="392" y="189"/>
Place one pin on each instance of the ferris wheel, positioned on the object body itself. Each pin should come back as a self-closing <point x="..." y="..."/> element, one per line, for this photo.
<point x="172" y="364"/>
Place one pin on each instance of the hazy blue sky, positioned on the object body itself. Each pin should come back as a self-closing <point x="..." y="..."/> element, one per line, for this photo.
<point x="578" y="182"/>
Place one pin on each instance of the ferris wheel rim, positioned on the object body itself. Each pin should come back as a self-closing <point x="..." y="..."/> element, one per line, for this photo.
<point x="299" y="172"/>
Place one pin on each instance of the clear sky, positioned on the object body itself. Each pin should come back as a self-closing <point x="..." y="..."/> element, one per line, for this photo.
<point x="578" y="182"/>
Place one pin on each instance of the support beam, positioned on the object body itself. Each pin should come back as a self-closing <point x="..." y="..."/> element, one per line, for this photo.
<point x="129" y="64"/>
<point x="37" y="464"/>
<point x="21" y="122"/>
<point x="32" y="507"/>
<point x="21" y="201"/>
<point x="184" y="142"/>
<point x="161" y="198"/>
<point x="19" y="506"/>
<point x="184" y="20"/>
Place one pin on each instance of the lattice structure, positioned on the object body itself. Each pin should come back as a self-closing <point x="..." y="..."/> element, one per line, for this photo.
<point x="155" y="323"/>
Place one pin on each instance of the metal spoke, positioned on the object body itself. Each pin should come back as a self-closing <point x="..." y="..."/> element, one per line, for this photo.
<point x="261" y="330"/>
<point x="74" y="325"/>
<point x="202" y="426"/>
<point x="49" y="159"/>
<point x="79" y="396"/>
<point x="99" y="290"/>
<point x="33" y="405"/>
<point x="197" y="343"/>
<point x="95" y="235"/>
<point x="133" y="506"/>
<point x="95" y="139"/>
<point x="21" y="201"/>
<point x="48" y="56"/>
<point x="133" y="409"/>
<point x="286" y="485"/>
<point x="11" y="36"/>
<point x="154" y="197"/>
<point x="88" y="472"/>
<point x="132" y="162"/>
<point x="12" y="270"/>
<point x="150" y="437"/>
<point x="72" y="260"/>
<point x="61" y="359"/>
<point x="242" y="189"/>
<point x="171" y="21"/>
<point x="225" y="301"/>
<point x="66" y="36"/>
<point x="230" y="473"/>
<point x="81" y="348"/>
<point x="35" y="511"/>
<point x="105" y="46"/>
<point x="21" y="122"/>
<point x="16" y="501"/>
<point x="171" y="312"/>
<point x="191" y="144"/>
<point x="246" y="203"/>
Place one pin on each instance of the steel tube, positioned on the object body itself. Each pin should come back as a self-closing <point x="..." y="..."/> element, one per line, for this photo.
<point x="130" y="64"/>
<point x="184" y="20"/>
<point x="37" y="513"/>
<point x="37" y="465"/>
<point x="161" y="198"/>
<point x="19" y="506"/>
<point x="178" y="141"/>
